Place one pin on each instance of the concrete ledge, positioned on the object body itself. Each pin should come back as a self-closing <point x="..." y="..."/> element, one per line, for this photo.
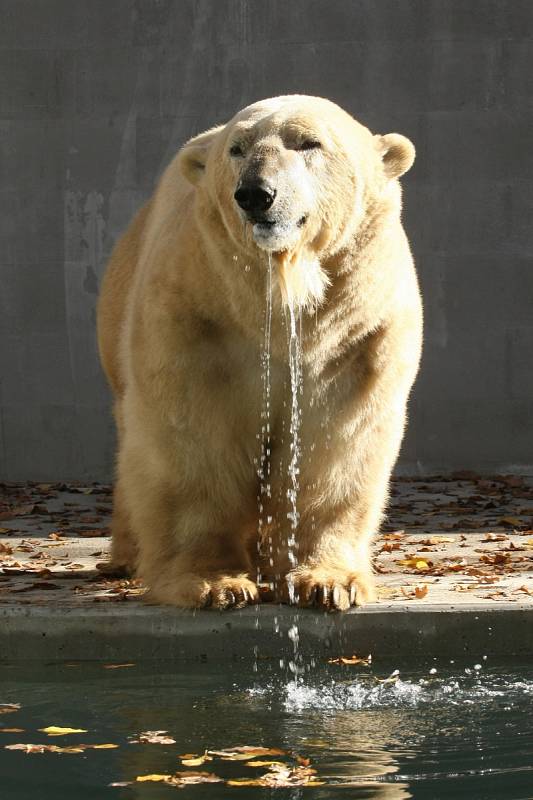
<point x="132" y="631"/>
<point x="454" y="571"/>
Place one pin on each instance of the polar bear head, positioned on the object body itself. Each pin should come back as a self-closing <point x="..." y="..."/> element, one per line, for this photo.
<point x="294" y="173"/>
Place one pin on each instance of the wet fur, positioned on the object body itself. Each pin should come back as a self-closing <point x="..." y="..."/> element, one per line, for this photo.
<point x="180" y="330"/>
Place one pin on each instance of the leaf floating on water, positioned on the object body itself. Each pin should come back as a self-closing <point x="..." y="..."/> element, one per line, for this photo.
<point x="246" y="752"/>
<point x="11" y="730"/>
<point x="188" y="778"/>
<point x="351" y="660"/>
<point x="265" y="764"/>
<point x="54" y="730"/>
<point x="393" y="677"/>
<point x="108" y="746"/>
<point x="281" y="776"/>
<point x="53" y="748"/>
<point x="117" y="666"/>
<point x="8" y="708"/>
<point x="181" y="778"/>
<point x="195" y="761"/>
<point x="153" y="737"/>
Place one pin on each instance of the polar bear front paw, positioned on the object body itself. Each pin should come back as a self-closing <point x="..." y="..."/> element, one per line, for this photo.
<point x="333" y="590"/>
<point x="213" y="591"/>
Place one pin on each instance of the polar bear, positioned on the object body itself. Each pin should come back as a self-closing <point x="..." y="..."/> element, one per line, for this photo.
<point x="295" y="197"/>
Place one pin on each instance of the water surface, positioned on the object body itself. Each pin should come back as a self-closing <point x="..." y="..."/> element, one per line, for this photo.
<point x="462" y="731"/>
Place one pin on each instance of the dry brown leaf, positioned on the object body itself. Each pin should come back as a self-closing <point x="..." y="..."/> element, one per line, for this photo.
<point x="8" y="708"/>
<point x="525" y="590"/>
<point x="494" y="537"/>
<point x="245" y="752"/>
<point x="351" y="660"/>
<point x="433" y="540"/>
<point x="153" y="737"/>
<point x="53" y="748"/>
<point x="421" y="591"/>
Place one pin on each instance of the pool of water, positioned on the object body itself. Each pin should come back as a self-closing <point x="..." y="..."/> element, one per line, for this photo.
<point x="346" y="731"/>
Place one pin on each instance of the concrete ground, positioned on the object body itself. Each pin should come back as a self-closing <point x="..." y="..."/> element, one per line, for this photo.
<point x="454" y="566"/>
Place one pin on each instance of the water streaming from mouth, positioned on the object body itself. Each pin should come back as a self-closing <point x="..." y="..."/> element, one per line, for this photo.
<point x="265" y="491"/>
<point x="296" y="666"/>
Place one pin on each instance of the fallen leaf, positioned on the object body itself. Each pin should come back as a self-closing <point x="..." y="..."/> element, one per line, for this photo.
<point x="8" y="708"/>
<point x="494" y="537"/>
<point x="11" y="730"/>
<point x="393" y="677"/>
<point x="155" y="777"/>
<point x="153" y="737"/>
<point x="117" y="666"/>
<point x="196" y="761"/>
<point x="55" y="730"/>
<point x="351" y="660"/>
<point x="245" y="752"/>
<point x="53" y="748"/>
<point x="438" y="540"/>
<point x="524" y="589"/>
<point x="108" y="746"/>
<point x="421" y="591"/>
<point x="419" y="564"/>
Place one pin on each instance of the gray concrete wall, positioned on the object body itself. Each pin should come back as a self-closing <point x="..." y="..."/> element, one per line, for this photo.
<point x="96" y="96"/>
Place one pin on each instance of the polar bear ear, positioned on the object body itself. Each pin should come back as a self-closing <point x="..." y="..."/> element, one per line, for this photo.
<point x="397" y="152"/>
<point x="193" y="154"/>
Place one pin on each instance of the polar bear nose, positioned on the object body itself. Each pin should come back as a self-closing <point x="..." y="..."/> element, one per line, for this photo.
<point x="256" y="197"/>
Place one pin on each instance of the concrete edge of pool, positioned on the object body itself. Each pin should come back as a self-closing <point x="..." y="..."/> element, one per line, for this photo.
<point x="134" y="632"/>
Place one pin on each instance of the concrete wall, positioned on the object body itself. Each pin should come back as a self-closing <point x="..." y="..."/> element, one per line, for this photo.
<point x="96" y="96"/>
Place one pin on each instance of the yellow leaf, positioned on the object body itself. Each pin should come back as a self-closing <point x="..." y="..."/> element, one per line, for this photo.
<point x="104" y="746"/>
<point x="245" y="752"/>
<point x="196" y="761"/>
<point x="415" y="563"/>
<point x="54" y="730"/>
<point x="245" y="782"/>
<point x="265" y="764"/>
<point x="155" y="778"/>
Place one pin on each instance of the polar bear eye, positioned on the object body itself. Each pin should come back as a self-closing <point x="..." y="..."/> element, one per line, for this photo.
<point x="236" y="151"/>
<point x="309" y="144"/>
